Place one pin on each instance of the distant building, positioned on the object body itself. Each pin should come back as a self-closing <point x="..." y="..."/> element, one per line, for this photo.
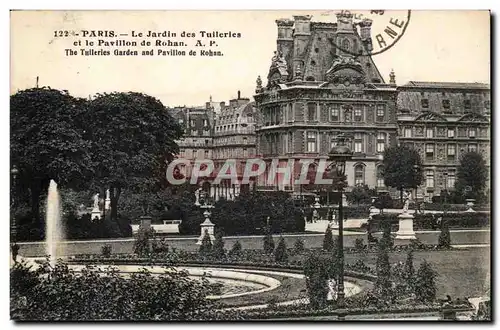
<point x="443" y="121"/>
<point x="317" y="89"/>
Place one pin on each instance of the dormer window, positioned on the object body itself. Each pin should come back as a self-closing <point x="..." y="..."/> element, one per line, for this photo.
<point x="425" y="103"/>
<point x="446" y="104"/>
<point x="467" y="104"/>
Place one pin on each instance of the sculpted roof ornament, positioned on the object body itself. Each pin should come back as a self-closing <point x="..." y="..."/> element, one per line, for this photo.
<point x="346" y="70"/>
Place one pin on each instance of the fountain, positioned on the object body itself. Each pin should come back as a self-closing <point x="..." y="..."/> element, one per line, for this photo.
<point x="54" y="232"/>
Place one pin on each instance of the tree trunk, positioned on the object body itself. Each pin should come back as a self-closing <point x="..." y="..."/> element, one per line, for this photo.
<point x="114" y="196"/>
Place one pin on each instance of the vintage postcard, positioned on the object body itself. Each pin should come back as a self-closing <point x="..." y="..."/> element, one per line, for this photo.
<point x="250" y="165"/>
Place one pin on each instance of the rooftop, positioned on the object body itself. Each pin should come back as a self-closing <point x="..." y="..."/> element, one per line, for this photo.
<point x="450" y="85"/>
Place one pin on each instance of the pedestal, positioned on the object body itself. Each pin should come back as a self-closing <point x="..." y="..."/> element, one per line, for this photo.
<point x="145" y="222"/>
<point x="405" y="230"/>
<point x="95" y="214"/>
<point x="208" y="226"/>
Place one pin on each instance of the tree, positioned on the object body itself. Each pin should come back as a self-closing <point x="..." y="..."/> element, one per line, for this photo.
<point x="316" y="271"/>
<point x="360" y="195"/>
<point x="206" y="244"/>
<point x="383" y="201"/>
<point x="383" y="283"/>
<point x="328" y="244"/>
<point x="218" y="248"/>
<point x="444" y="240"/>
<point x="425" y="283"/>
<point x="47" y="128"/>
<point x="298" y="246"/>
<point x="473" y="173"/>
<point x="268" y="241"/>
<point x="399" y="168"/>
<point x="280" y="254"/>
<point x="133" y="138"/>
<point x="236" y="249"/>
<point x="409" y="269"/>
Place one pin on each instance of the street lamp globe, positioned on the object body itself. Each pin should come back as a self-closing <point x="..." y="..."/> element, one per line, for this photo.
<point x="14" y="171"/>
<point x="339" y="155"/>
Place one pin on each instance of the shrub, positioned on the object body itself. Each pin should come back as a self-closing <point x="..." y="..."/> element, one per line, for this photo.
<point x="359" y="245"/>
<point x="218" y="248"/>
<point x="409" y="269"/>
<point x="328" y="244"/>
<point x="160" y="245"/>
<point x="206" y="245"/>
<point x="316" y="272"/>
<point x="106" y="250"/>
<point x="142" y="242"/>
<point x="60" y="294"/>
<point x="383" y="283"/>
<point x="425" y="283"/>
<point x="298" y="246"/>
<point x="280" y="254"/>
<point x="444" y="240"/>
<point x="268" y="241"/>
<point x="236" y="250"/>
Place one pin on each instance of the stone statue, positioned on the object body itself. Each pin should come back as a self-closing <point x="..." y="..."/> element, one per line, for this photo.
<point x="197" y="195"/>
<point x="96" y="201"/>
<point x="406" y="201"/>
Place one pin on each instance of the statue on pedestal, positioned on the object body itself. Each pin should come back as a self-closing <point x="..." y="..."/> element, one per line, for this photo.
<point x="197" y="196"/>
<point x="96" y="201"/>
<point x="406" y="201"/>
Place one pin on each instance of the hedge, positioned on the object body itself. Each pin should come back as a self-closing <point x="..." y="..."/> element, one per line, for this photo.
<point x="430" y="220"/>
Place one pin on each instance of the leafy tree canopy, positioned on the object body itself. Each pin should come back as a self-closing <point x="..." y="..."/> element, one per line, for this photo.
<point x="471" y="172"/>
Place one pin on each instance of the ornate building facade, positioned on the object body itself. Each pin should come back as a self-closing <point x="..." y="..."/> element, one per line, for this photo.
<point x="443" y="121"/>
<point x="315" y="91"/>
<point x="316" y="88"/>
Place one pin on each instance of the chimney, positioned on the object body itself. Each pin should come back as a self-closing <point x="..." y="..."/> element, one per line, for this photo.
<point x="392" y="77"/>
<point x="239" y="95"/>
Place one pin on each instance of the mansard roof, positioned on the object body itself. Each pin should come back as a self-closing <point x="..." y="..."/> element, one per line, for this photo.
<point x="445" y="85"/>
<point x="471" y="116"/>
<point x="430" y="116"/>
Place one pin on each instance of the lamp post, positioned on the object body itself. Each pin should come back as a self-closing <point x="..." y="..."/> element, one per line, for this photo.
<point x="14" y="171"/>
<point x="339" y="155"/>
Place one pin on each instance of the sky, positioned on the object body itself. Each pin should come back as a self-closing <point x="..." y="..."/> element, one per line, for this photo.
<point x="451" y="46"/>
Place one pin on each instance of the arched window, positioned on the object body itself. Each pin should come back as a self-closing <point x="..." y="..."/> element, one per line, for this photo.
<point x="359" y="174"/>
<point x="380" y="176"/>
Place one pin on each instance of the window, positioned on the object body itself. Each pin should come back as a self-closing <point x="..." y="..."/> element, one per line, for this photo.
<point x="425" y="103"/>
<point x="359" y="175"/>
<point x="380" y="176"/>
<point x="334" y="113"/>
<point x="429" y="151"/>
<point x="358" y="113"/>
<point x="311" y="142"/>
<point x="358" y="142"/>
<point x="346" y="45"/>
<point x="450" y="184"/>
<point x="472" y="132"/>
<point x="467" y="104"/>
<point x="446" y="104"/>
<point x="407" y="132"/>
<point x="205" y="122"/>
<point x="333" y="142"/>
<point x="245" y="153"/>
<point x="381" y="142"/>
<point x="429" y="132"/>
<point x="451" y="132"/>
<point x="451" y="151"/>
<point x="207" y="154"/>
<point x="311" y="112"/>
<point x="429" y="179"/>
<point x="193" y="123"/>
<point x="380" y="113"/>
<point x="181" y="153"/>
<point x="487" y="104"/>
<point x="472" y="148"/>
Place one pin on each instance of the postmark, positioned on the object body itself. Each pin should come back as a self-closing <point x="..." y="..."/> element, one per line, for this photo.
<point x="379" y="30"/>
